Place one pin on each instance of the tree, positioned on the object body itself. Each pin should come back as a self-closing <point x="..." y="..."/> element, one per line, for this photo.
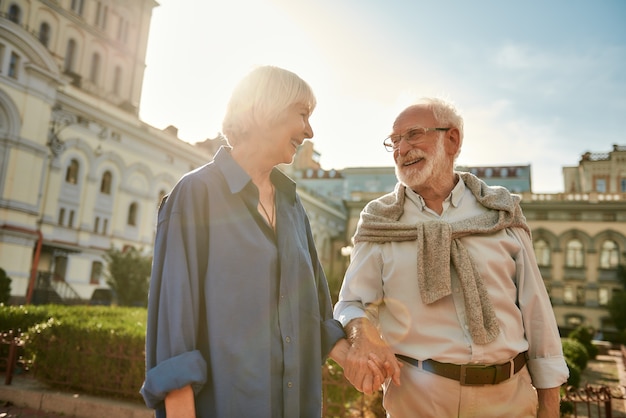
<point x="617" y="304"/>
<point x="5" y="287"/>
<point x="128" y="275"/>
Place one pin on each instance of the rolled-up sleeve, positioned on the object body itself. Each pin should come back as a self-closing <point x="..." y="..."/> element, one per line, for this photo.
<point x="174" y="302"/>
<point x="546" y="362"/>
<point x="361" y="291"/>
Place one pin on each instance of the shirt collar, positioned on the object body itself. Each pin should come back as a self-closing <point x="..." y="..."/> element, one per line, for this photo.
<point x="237" y="179"/>
<point x="455" y="197"/>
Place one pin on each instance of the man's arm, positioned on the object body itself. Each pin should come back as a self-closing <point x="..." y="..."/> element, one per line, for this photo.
<point x="549" y="401"/>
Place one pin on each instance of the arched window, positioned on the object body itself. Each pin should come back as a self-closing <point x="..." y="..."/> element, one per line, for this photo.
<point x="96" y="224"/>
<point x="117" y="80"/>
<point x="609" y="255"/>
<point x="105" y="226"/>
<point x="70" y="55"/>
<point x="71" y="173"/>
<point x="542" y="252"/>
<point x="95" y="68"/>
<point x="132" y="214"/>
<point x="70" y="220"/>
<point x="105" y="183"/>
<point x="574" y="256"/>
<point x="44" y="34"/>
<point x="15" y="14"/>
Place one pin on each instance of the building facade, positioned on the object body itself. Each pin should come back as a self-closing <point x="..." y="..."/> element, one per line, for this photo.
<point x="79" y="172"/>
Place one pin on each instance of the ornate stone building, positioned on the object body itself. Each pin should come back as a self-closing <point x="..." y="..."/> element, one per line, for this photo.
<point x="79" y="172"/>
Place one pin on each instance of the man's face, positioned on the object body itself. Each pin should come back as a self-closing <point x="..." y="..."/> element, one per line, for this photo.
<point x="422" y="161"/>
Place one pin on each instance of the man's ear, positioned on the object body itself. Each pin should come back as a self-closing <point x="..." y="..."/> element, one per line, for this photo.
<point x="452" y="141"/>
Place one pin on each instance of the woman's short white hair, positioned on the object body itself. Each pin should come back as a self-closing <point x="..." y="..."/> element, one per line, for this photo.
<point x="260" y="98"/>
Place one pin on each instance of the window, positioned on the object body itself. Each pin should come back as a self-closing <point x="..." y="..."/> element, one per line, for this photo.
<point x="95" y="68"/>
<point x="15" y="14"/>
<point x="601" y="185"/>
<point x="61" y="216"/>
<point x="609" y="255"/>
<point x="96" y="272"/>
<point x="132" y="214"/>
<point x="105" y="225"/>
<point x="70" y="55"/>
<point x="14" y="64"/>
<point x="573" y="321"/>
<point x="70" y="219"/>
<point x="44" y="34"/>
<point x="569" y="294"/>
<point x="603" y="296"/>
<point x="105" y="183"/>
<point x="77" y="6"/>
<point x="71" y="174"/>
<point x="574" y="254"/>
<point x="96" y="224"/>
<point x="542" y="252"/>
<point x="122" y="30"/>
<point x="622" y="185"/>
<point x="117" y="80"/>
<point x="101" y="15"/>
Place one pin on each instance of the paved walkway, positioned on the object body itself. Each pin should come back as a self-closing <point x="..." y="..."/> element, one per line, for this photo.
<point x="26" y="397"/>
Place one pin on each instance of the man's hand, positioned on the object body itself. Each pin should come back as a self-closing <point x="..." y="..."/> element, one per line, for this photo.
<point x="369" y="360"/>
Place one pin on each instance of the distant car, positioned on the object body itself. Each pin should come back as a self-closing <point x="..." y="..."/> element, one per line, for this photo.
<point x="102" y="296"/>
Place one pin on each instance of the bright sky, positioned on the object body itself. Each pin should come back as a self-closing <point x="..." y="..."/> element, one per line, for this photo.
<point x="538" y="82"/>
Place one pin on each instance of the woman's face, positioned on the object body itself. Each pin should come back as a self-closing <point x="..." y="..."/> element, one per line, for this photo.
<point x="288" y="132"/>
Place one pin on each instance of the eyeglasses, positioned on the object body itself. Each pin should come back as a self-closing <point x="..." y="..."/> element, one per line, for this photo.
<point x="411" y="136"/>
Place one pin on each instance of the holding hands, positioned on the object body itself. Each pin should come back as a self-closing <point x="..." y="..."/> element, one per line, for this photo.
<point x="366" y="359"/>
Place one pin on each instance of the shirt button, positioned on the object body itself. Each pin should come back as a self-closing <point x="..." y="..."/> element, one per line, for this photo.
<point x="288" y="339"/>
<point x="289" y="384"/>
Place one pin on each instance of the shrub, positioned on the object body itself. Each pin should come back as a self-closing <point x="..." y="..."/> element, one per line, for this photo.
<point x="5" y="287"/>
<point x="584" y="335"/>
<point x="575" y="352"/>
<point x="94" y="349"/>
<point x="574" y="373"/>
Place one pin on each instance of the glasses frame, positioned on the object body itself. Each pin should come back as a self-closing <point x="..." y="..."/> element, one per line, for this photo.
<point x="390" y="146"/>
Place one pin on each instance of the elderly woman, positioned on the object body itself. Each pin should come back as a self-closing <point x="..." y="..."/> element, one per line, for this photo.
<point x="239" y="313"/>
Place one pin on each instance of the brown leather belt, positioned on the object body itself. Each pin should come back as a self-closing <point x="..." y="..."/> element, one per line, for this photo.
<point x="471" y="374"/>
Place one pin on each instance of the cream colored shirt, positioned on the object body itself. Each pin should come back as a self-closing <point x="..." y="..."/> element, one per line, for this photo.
<point x="381" y="283"/>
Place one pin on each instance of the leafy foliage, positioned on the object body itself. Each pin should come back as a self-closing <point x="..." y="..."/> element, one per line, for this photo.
<point x="575" y="352"/>
<point x="5" y="287"/>
<point x="584" y="335"/>
<point x="93" y="349"/>
<point x="129" y="275"/>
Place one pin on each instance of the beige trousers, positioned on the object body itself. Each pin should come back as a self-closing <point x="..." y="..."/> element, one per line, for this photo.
<point x="423" y="395"/>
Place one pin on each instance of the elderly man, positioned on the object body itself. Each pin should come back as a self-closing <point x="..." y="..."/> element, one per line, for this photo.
<point x="443" y="295"/>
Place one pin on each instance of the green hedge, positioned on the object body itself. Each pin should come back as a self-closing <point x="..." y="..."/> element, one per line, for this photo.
<point x="94" y="349"/>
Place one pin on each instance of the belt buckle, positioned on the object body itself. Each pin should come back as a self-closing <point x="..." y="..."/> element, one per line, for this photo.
<point x="463" y="376"/>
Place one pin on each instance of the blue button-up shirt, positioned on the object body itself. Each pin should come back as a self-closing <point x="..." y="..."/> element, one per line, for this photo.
<point x="240" y="312"/>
